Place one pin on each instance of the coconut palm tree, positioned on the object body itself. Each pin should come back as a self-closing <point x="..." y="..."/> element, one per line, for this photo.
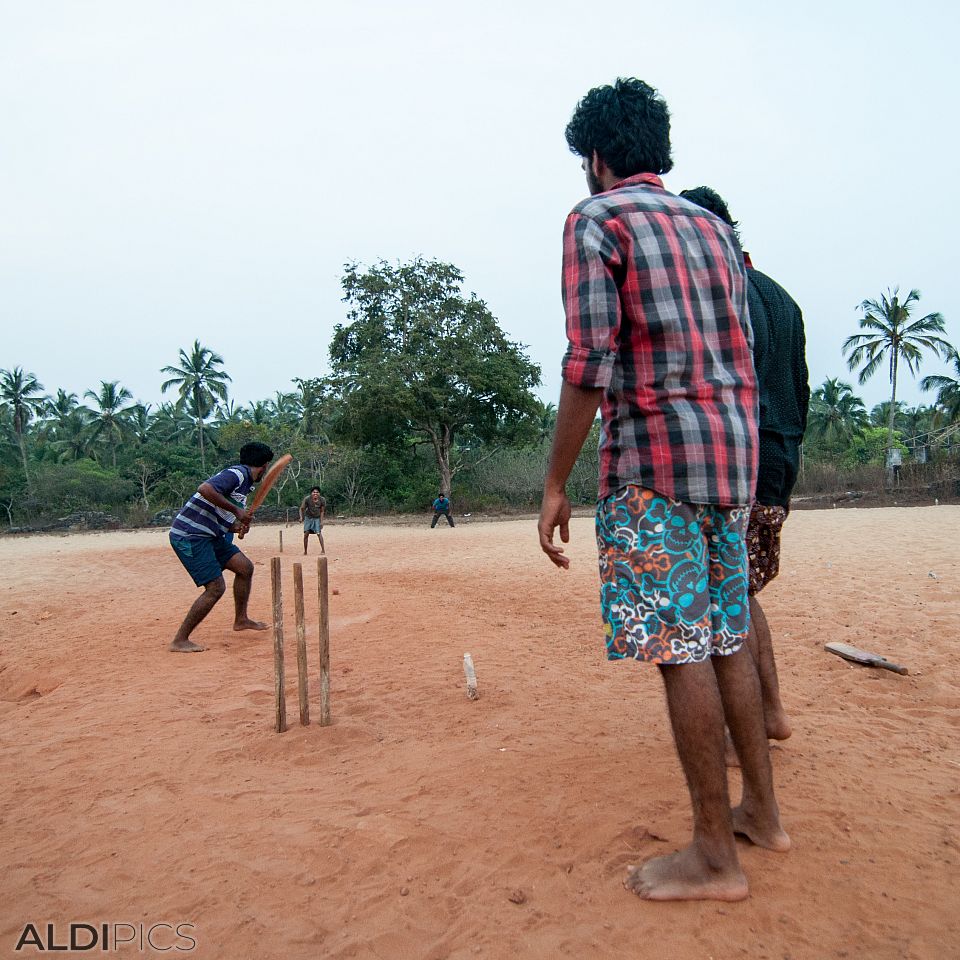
<point x="837" y="414"/>
<point x="19" y="393"/>
<point x="141" y="421"/>
<point x="66" y="425"/>
<point x="891" y="336"/>
<point x="200" y="385"/>
<point x="948" y="388"/>
<point x="111" y="419"/>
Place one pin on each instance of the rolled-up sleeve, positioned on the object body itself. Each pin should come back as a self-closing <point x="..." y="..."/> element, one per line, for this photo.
<point x="591" y="302"/>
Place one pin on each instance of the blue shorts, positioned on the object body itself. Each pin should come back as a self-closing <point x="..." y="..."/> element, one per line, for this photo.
<point x="311" y="525"/>
<point x="673" y="577"/>
<point x="204" y="558"/>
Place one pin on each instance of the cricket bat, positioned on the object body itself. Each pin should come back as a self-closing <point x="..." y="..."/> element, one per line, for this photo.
<point x="266" y="482"/>
<point x="856" y="655"/>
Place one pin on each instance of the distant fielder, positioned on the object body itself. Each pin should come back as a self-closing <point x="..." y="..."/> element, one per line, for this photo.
<point x="312" y="512"/>
<point x="441" y="508"/>
<point x="202" y="537"/>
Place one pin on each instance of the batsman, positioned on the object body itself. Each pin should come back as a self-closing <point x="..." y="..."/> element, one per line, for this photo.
<point x="202" y="537"/>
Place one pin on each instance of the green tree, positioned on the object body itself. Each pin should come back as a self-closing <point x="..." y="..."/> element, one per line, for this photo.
<point x="111" y="419"/>
<point x="21" y="393"/>
<point x="891" y="336"/>
<point x="420" y="361"/>
<point x="200" y="384"/>
<point x="947" y="387"/>
<point x="837" y="415"/>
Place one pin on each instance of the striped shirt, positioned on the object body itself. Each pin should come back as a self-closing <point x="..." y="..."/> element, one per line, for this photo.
<point x="656" y="305"/>
<point x="199" y="518"/>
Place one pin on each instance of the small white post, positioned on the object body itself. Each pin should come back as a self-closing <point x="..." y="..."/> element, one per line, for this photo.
<point x="472" y="692"/>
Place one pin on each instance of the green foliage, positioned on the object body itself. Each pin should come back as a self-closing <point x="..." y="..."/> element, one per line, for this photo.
<point x="947" y="387"/>
<point x="200" y="384"/>
<point x="890" y="336"/>
<point x="836" y="417"/>
<point x="870" y="446"/>
<point x="80" y="485"/>
<point x="421" y="362"/>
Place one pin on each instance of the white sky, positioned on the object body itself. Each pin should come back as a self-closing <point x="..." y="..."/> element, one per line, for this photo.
<point x="203" y="168"/>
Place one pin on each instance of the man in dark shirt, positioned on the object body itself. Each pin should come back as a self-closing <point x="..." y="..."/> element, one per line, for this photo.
<point x="654" y="293"/>
<point x="779" y="359"/>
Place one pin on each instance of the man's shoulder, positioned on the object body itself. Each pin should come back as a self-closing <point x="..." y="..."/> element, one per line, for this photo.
<point x="634" y="199"/>
<point x="236" y="475"/>
<point x="773" y="293"/>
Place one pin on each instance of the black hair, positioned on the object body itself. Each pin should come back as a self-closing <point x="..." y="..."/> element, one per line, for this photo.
<point x="709" y="199"/>
<point x="628" y="124"/>
<point x="255" y="454"/>
<point x="315" y="488"/>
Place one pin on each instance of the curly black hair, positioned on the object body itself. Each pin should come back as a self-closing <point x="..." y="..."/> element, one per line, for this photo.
<point x="628" y="124"/>
<point x="255" y="454"/>
<point x="709" y="199"/>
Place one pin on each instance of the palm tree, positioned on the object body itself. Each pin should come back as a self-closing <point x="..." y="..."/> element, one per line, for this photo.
<point x="18" y="393"/>
<point x="200" y="384"/>
<point x="546" y="420"/>
<point x="111" y="419"/>
<point x="171" y="424"/>
<point x="837" y="414"/>
<point x="66" y="425"/>
<point x="141" y="421"/>
<point x="893" y="337"/>
<point x="948" y="388"/>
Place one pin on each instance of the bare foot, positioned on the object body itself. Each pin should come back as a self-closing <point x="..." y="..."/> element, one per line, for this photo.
<point x="686" y="875"/>
<point x="769" y="835"/>
<point x="249" y="625"/>
<point x="185" y="646"/>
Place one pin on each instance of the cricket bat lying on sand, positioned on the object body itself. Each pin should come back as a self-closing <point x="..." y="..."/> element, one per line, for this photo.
<point x="868" y="659"/>
<point x="266" y="482"/>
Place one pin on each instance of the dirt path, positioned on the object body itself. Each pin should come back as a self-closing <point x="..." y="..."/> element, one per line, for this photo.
<point x="141" y="787"/>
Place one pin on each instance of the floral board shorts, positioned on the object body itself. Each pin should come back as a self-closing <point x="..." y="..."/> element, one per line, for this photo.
<point x="763" y="544"/>
<point x="673" y="577"/>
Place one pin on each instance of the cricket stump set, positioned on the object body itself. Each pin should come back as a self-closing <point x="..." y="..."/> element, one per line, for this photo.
<point x="280" y="693"/>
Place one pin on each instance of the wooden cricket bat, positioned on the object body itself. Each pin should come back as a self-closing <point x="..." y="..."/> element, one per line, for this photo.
<point x="856" y="655"/>
<point x="266" y="482"/>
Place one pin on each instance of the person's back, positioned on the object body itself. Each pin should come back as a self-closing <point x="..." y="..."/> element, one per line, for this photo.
<point x="679" y="402"/>
<point x="780" y="360"/>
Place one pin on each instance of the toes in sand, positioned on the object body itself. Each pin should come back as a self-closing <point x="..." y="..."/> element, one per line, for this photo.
<point x="686" y="876"/>
<point x="249" y="625"/>
<point x="185" y="646"/>
<point x="764" y="833"/>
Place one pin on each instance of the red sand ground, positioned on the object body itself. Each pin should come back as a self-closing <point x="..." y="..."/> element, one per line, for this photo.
<point x="141" y="786"/>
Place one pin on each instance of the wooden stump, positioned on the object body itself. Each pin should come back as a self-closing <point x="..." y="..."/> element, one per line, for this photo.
<point x="302" y="683"/>
<point x="322" y="596"/>
<point x="280" y="693"/>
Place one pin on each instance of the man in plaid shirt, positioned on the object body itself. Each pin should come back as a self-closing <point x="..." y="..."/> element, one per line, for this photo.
<point x="659" y="339"/>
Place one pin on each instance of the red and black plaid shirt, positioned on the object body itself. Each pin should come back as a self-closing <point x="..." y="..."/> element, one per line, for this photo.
<point x="655" y="296"/>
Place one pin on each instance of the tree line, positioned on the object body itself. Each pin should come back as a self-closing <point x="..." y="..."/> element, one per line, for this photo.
<point x="426" y="393"/>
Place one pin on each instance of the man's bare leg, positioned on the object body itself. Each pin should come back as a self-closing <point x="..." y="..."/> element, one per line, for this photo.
<point x="323" y="549"/>
<point x="306" y="537"/>
<point x="242" y="581"/>
<point x="709" y="868"/>
<point x="757" y="817"/>
<point x="207" y="600"/>
<point x="761" y="647"/>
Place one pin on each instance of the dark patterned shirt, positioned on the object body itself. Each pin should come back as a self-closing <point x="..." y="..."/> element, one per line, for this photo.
<point x="780" y="361"/>
<point x="200" y="518"/>
<point x="656" y="304"/>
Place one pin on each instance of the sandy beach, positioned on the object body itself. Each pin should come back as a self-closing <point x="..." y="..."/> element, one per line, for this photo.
<point x="143" y="787"/>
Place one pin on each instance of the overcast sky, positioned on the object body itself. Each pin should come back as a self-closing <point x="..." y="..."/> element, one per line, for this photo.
<point x="203" y="169"/>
